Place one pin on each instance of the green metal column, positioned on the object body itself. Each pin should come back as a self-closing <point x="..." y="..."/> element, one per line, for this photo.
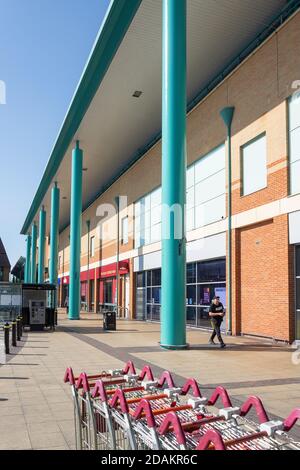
<point x="227" y="116"/>
<point x="75" y="233"/>
<point x="55" y="195"/>
<point x="33" y="253"/>
<point x="173" y="298"/>
<point x="42" y="233"/>
<point x="27" y="265"/>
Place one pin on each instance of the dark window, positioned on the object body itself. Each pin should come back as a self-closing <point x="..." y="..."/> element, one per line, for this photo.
<point x="298" y="293"/>
<point x="108" y="292"/>
<point x="149" y="278"/>
<point x="156" y="277"/>
<point x="191" y="315"/>
<point x="203" y="319"/>
<point x="149" y="295"/>
<point x="191" y="273"/>
<point x="297" y="260"/>
<point x="191" y="295"/>
<point x="156" y="294"/>
<point x="212" y="271"/>
<point x="140" y="279"/>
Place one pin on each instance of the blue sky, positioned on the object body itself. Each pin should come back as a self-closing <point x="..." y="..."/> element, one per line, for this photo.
<point x="44" y="45"/>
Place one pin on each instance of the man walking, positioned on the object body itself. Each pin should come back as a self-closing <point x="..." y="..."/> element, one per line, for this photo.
<point x="216" y="313"/>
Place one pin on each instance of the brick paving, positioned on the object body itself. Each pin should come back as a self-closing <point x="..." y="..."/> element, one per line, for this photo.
<point x="36" y="406"/>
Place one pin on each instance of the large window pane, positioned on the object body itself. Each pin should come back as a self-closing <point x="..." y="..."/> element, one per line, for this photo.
<point x="295" y="145"/>
<point x="191" y="316"/>
<point x="191" y="273"/>
<point x="210" y="188"/>
<point x="254" y="164"/>
<point x="156" y="295"/>
<point x="190" y="219"/>
<point x="212" y="271"/>
<point x="297" y="260"/>
<point x="295" y="179"/>
<point x="190" y="176"/>
<point x="156" y="277"/>
<point x="140" y="279"/>
<point x="203" y="319"/>
<point x="210" y="211"/>
<point x="156" y="198"/>
<point x="210" y="164"/>
<point x="298" y="293"/>
<point x="191" y="295"/>
<point x="294" y="106"/>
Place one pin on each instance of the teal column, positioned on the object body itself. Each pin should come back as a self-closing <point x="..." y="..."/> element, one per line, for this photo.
<point x="173" y="297"/>
<point x="42" y="234"/>
<point x="33" y="253"/>
<point x="55" y="195"/>
<point x="75" y="233"/>
<point x="227" y="116"/>
<point x="27" y="265"/>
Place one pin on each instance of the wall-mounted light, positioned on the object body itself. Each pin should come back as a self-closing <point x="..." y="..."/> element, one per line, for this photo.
<point x="137" y="94"/>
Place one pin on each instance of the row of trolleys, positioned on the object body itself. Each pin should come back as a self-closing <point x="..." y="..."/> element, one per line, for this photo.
<point x="122" y="410"/>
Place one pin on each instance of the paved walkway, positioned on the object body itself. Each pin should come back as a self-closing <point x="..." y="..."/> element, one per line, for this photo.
<point x="36" y="407"/>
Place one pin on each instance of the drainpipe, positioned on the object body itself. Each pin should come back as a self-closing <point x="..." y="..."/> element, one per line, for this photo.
<point x="117" y="201"/>
<point x="88" y="224"/>
<point x="227" y="115"/>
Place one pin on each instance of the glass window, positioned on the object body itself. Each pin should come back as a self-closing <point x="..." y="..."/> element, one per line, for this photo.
<point x="124" y="225"/>
<point x="206" y="186"/>
<point x="298" y="260"/>
<point x="191" y="295"/>
<point x="156" y="295"/>
<point x="298" y="293"/>
<point x="92" y="246"/>
<point x="191" y="273"/>
<point x="254" y="165"/>
<point x="149" y="278"/>
<point x="149" y="295"/>
<point x="140" y="279"/>
<point x="191" y="316"/>
<point x="156" y="277"/>
<point x="147" y="210"/>
<point x="212" y="271"/>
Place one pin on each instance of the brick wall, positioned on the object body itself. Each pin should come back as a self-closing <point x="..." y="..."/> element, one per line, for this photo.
<point x="262" y="280"/>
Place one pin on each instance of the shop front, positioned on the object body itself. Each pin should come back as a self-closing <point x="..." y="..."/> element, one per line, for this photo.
<point x="110" y="291"/>
<point x="205" y="279"/>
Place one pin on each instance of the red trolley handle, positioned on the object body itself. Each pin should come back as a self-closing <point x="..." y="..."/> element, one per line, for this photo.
<point x="144" y="410"/>
<point x="83" y="382"/>
<point x="291" y="420"/>
<point x="255" y="402"/>
<point x="211" y="438"/>
<point x="99" y="391"/>
<point x="119" y="398"/>
<point x="69" y="376"/>
<point x="146" y="372"/>
<point x="166" y="377"/>
<point x="172" y="423"/>
<point x="220" y="392"/>
<point x="191" y="384"/>
<point x="129" y="368"/>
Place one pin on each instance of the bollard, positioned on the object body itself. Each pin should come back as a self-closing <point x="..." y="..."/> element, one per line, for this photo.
<point x="14" y="333"/>
<point x="18" y="329"/>
<point x="6" y="337"/>
<point x="21" y="326"/>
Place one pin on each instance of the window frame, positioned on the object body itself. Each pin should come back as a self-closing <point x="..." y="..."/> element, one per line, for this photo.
<point x="242" y="147"/>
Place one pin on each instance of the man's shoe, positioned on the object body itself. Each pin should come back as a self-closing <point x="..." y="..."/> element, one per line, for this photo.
<point x="222" y="345"/>
<point x="211" y="341"/>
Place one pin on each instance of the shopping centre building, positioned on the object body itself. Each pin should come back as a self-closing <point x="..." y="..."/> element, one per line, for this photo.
<point x="100" y="215"/>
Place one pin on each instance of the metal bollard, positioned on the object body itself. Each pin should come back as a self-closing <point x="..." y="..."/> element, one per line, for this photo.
<point x="14" y="333"/>
<point x="18" y="328"/>
<point x="21" y="326"/>
<point x="6" y="337"/>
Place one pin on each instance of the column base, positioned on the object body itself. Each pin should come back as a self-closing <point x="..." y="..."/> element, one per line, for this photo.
<point x="174" y="347"/>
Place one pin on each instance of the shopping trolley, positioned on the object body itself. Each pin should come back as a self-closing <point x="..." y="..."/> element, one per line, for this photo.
<point x="84" y="419"/>
<point x="230" y="430"/>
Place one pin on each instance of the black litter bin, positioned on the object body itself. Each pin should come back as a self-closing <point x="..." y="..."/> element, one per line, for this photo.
<point x="109" y="320"/>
